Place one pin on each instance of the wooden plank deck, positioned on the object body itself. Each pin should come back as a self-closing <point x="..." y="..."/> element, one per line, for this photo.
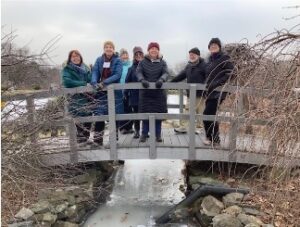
<point x="253" y="150"/>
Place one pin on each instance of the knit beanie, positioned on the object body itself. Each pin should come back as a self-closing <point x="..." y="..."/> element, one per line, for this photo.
<point x="215" y="41"/>
<point x="153" y="44"/>
<point x="195" y="50"/>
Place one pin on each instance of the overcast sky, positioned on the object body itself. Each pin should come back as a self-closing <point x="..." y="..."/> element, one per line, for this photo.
<point x="176" y="25"/>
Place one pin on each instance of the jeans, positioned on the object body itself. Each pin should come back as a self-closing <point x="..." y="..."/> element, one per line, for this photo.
<point x="145" y="128"/>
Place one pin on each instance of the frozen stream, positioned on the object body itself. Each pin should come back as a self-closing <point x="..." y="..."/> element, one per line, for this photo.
<point x="143" y="190"/>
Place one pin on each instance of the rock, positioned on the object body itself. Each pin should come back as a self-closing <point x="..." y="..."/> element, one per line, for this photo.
<point x="24" y="214"/>
<point x="249" y="219"/>
<point x="233" y="198"/>
<point x="46" y="217"/>
<point x="65" y="224"/>
<point x="226" y="220"/>
<point x="84" y="178"/>
<point x="251" y="211"/>
<point x="43" y="224"/>
<point x="195" y="186"/>
<point x="197" y="205"/>
<point x="203" y="219"/>
<point x="181" y="213"/>
<point x="22" y="224"/>
<point x="61" y="207"/>
<point x="205" y="180"/>
<point x="252" y="225"/>
<point x="267" y="225"/>
<point x="211" y="206"/>
<point x="233" y="210"/>
<point x="41" y="206"/>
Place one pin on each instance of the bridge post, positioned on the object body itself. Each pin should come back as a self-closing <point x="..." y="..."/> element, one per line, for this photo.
<point x="192" y="126"/>
<point x="180" y="101"/>
<point x="152" y="143"/>
<point x="73" y="142"/>
<point x="112" y="122"/>
<point x="233" y="132"/>
<point x="31" y="118"/>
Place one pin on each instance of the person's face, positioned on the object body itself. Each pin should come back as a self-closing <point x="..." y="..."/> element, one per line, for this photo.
<point x="214" y="48"/>
<point x="108" y="50"/>
<point x="138" y="56"/>
<point x="194" y="57"/>
<point x="124" y="57"/>
<point x="153" y="52"/>
<point x="75" y="58"/>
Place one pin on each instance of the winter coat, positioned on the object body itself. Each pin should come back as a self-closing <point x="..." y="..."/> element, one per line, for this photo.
<point x="193" y="73"/>
<point x="125" y="68"/>
<point x="132" y="94"/>
<point x="218" y="71"/>
<point x="79" y="104"/>
<point x="101" y="106"/>
<point x="152" y="100"/>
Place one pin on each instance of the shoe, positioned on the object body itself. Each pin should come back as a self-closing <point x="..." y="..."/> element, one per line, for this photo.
<point x="136" y="135"/>
<point x="130" y="131"/>
<point x="143" y="138"/>
<point x="159" y="139"/>
<point x="180" y="130"/>
<point x="207" y="142"/>
<point x="124" y="131"/>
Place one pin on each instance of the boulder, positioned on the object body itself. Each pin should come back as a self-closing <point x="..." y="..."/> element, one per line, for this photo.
<point x="22" y="224"/>
<point x="249" y="219"/>
<point x="233" y="198"/>
<point x="205" y="180"/>
<point x="252" y="225"/>
<point x="65" y="224"/>
<point x="46" y="217"/>
<point x="251" y="211"/>
<point x="226" y="220"/>
<point x="211" y="206"/>
<point x="24" y="214"/>
<point x="41" y="206"/>
<point x="233" y="210"/>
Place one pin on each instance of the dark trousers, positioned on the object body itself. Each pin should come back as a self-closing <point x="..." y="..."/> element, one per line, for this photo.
<point x="136" y="123"/>
<point x="127" y="125"/>
<point x="145" y="129"/>
<point x="212" y="127"/>
<point x="83" y="131"/>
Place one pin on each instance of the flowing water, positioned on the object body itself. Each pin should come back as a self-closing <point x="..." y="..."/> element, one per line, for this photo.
<point x="143" y="190"/>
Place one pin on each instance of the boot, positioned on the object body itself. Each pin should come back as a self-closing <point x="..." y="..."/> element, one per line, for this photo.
<point x="159" y="139"/>
<point x="143" y="138"/>
<point x="136" y="135"/>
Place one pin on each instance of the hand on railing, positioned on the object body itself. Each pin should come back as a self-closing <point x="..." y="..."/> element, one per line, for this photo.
<point x="159" y="83"/>
<point x="99" y="87"/>
<point x="145" y="83"/>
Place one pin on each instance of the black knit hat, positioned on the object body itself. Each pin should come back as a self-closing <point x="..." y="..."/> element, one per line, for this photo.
<point x="195" y="50"/>
<point x="216" y="41"/>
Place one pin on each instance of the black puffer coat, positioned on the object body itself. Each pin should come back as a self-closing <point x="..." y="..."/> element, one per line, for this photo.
<point x="193" y="73"/>
<point x="152" y="100"/>
<point x="218" y="71"/>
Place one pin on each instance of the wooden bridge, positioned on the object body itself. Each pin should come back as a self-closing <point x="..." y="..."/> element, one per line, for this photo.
<point x="235" y="147"/>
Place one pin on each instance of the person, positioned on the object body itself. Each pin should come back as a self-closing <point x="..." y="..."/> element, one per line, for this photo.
<point x="125" y="126"/>
<point x="152" y="69"/>
<point x="107" y="70"/>
<point x="132" y="95"/>
<point x="75" y="74"/>
<point x="218" y="71"/>
<point x="194" y="72"/>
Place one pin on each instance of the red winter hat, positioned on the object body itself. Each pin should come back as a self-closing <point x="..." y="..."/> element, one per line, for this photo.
<point x="153" y="44"/>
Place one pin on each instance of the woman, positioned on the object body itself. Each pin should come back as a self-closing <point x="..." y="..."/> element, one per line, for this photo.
<point x="218" y="71"/>
<point x="106" y="70"/>
<point x="74" y="74"/>
<point x="152" y="69"/>
<point x="125" y="126"/>
<point x="133" y="95"/>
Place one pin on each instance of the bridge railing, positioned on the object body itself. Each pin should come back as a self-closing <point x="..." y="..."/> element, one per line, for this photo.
<point x="112" y="117"/>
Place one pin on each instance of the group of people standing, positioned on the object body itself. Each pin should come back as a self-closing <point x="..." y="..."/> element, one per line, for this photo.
<point x="111" y="67"/>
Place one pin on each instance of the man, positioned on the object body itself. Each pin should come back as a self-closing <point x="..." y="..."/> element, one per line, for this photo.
<point x="194" y="72"/>
<point x="218" y="72"/>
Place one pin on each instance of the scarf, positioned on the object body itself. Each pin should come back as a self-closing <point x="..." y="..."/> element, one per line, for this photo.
<point x="80" y="69"/>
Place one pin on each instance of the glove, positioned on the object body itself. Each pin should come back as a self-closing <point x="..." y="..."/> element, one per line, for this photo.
<point x="98" y="87"/>
<point x="159" y="83"/>
<point x="145" y="83"/>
